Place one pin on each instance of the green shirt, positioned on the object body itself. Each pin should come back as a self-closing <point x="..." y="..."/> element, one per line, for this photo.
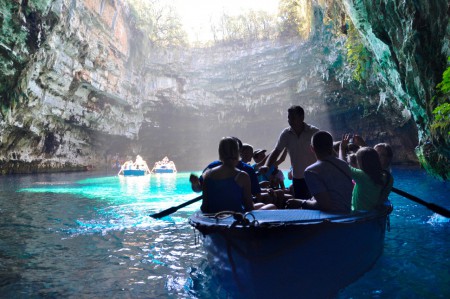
<point x="366" y="194"/>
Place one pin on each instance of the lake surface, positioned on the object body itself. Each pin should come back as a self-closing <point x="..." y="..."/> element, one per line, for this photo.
<point x="88" y="235"/>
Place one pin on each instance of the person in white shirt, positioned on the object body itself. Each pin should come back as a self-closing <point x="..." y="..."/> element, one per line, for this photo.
<point x="297" y="139"/>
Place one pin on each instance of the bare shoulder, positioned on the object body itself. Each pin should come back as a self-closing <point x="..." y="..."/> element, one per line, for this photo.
<point x="242" y="177"/>
<point x="207" y="173"/>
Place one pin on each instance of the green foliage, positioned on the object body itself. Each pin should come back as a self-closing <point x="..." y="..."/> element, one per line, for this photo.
<point x="441" y="119"/>
<point x="444" y="86"/>
<point x="159" y="21"/>
<point x="441" y="113"/>
<point x="359" y="57"/>
<point x="17" y="41"/>
<point x="12" y="33"/>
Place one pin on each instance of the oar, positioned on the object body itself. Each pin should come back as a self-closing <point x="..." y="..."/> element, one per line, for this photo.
<point x="435" y="208"/>
<point x="171" y="210"/>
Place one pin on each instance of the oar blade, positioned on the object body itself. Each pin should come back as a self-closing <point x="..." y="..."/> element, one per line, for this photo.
<point x="164" y="213"/>
<point x="171" y="210"/>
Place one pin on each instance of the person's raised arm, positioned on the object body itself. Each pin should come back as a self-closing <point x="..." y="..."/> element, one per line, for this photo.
<point x="343" y="146"/>
<point x="358" y="140"/>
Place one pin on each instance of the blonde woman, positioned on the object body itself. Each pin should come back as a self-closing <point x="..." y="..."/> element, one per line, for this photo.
<point x="226" y="188"/>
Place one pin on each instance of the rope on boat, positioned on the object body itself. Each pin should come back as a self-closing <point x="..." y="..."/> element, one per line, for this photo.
<point x="239" y="218"/>
<point x="196" y="237"/>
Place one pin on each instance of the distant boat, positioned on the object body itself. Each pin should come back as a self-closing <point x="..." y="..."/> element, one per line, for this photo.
<point x="137" y="168"/>
<point x="291" y="253"/>
<point x="164" y="166"/>
<point x="134" y="172"/>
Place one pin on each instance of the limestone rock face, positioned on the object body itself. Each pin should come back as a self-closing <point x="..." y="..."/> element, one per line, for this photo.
<point x="94" y="89"/>
<point x="411" y="41"/>
<point x="73" y="91"/>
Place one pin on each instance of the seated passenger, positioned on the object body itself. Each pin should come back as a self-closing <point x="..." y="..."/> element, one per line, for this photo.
<point x="352" y="160"/>
<point x="141" y="164"/>
<point x="372" y="184"/>
<point x="277" y="179"/>
<point x="385" y="153"/>
<point x="355" y="142"/>
<point x="260" y="159"/>
<point x="246" y="153"/>
<point x="226" y="188"/>
<point x="196" y="182"/>
<point x="328" y="179"/>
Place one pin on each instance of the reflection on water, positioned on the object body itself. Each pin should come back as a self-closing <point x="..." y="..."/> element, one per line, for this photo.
<point x="168" y="180"/>
<point x="89" y="235"/>
<point x="134" y="185"/>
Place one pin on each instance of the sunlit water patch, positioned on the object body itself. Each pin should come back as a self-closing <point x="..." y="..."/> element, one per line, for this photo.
<point x="89" y="235"/>
<point x="120" y="202"/>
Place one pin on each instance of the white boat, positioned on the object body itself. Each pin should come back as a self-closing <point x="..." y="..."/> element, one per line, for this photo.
<point x="164" y="166"/>
<point x="137" y="168"/>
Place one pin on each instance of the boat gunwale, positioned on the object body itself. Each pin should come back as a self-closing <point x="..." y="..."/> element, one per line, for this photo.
<point x="213" y="225"/>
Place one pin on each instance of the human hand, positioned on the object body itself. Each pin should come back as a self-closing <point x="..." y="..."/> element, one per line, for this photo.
<point x="264" y="184"/>
<point x="194" y="179"/>
<point x="294" y="203"/>
<point x="358" y="140"/>
<point x="345" y="140"/>
<point x="195" y="183"/>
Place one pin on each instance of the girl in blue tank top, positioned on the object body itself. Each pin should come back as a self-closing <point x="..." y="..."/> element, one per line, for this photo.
<point x="226" y="188"/>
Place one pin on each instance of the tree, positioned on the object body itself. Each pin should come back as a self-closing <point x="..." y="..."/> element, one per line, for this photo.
<point x="295" y="18"/>
<point x="159" y="21"/>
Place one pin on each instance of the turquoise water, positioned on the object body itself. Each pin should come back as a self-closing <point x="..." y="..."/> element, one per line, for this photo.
<point x="89" y="235"/>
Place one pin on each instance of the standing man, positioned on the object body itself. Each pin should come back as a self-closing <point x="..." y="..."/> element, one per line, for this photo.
<point x="297" y="139"/>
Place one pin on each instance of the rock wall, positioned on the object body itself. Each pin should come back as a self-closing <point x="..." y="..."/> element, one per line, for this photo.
<point x="95" y="89"/>
<point x="73" y="92"/>
<point x="411" y="41"/>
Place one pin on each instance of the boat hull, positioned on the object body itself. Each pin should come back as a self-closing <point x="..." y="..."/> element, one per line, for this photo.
<point x="134" y="172"/>
<point x="163" y="170"/>
<point x="312" y="258"/>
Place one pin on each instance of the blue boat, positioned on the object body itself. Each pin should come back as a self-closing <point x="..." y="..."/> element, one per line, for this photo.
<point x="291" y="253"/>
<point x="134" y="172"/>
<point x="163" y="169"/>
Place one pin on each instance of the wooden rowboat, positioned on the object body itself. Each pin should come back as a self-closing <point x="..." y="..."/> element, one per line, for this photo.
<point x="291" y="253"/>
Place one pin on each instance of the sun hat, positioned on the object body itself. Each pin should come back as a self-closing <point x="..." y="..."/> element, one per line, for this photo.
<point x="258" y="151"/>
